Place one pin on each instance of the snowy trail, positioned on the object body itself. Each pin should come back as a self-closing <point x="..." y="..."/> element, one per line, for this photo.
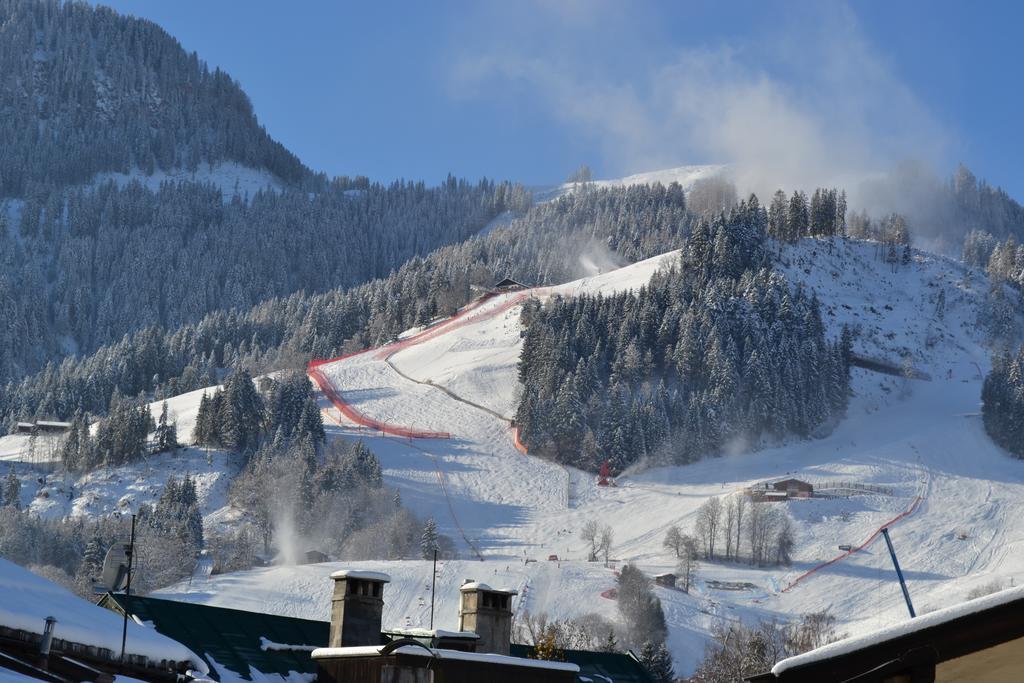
<point x="921" y="440"/>
<point x="450" y="393"/>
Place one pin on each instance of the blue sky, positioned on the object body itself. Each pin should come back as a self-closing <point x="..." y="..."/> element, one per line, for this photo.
<point x="798" y="93"/>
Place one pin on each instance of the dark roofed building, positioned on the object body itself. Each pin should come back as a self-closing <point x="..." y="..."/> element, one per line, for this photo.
<point x="53" y="426"/>
<point x="598" y="666"/>
<point x="509" y="285"/>
<point x="234" y="639"/>
<point x="979" y="641"/>
<point x="794" y="488"/>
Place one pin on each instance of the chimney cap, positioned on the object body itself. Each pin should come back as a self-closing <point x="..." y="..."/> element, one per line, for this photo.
<point x="359" y="574"/>
<point x="477" y="586"/>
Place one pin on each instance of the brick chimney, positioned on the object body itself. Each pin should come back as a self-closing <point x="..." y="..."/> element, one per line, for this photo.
<point x="488" y="613"/>
<point x="356" y="608"/>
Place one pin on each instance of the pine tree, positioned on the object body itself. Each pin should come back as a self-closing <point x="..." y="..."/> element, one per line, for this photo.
<point x="166" y="433"/>
<point x="92" y="561"/>
<point x="311" y="422"/>
<point x="777" y="217"/>
<point x="658" y="662"/>
<point x="797" y="218"/>
<point x="429" y="540"/>
<point x="12" y="490"/>
<point x="202" y="434"/>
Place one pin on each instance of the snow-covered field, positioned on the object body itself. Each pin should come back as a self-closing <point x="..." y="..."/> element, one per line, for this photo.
<point x="922" y="439"/>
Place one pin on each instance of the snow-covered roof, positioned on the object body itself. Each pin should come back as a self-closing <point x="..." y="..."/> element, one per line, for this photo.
<point x="268" y="645"/>
<point x="430" y="633"/>
<point x="359" y="574"/>
<point x="29" y="599"/>
<point x="920" y="623"/>
<point x="475" y="586"/>
<point x="52" y="423"/>
<point x="483" y="657"/>
<point x="479" y="586"/>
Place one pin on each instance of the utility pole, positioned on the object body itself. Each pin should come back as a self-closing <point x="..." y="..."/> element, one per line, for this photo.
<point x="127" y="593"/>
<point x="433" y="582"/>
<point x="899" y="573"/>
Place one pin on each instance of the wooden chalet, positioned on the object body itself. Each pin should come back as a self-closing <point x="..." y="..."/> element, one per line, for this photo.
<point x="43" y="427"/>
<point x="508" y="285"/>
<point x="979" y="641"/>
<point x="784" y="489"/>
<point x="667" y="580"/>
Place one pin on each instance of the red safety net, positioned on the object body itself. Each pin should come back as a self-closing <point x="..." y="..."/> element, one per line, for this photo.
<point x="516" y="441"/>
<point x="360" y="418"/>
<point x="460" y="319"/>
<point x="464" y="317"/>
<point x="906" y="513"/>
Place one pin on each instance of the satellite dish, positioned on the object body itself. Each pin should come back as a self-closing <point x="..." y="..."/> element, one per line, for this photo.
<point x="115" y="568"/>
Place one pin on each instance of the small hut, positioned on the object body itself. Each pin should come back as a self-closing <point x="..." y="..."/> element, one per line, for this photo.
<point x="508" y="285"/>
<point x="668" y="579"/>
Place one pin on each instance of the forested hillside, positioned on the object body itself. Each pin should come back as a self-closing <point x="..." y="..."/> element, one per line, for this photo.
<point x="85" y="90"/>
<point x="86" y="266"/>
<point x="86" y="93"/>
<point x="716" y="351"/>
<point x="545" y="245"/>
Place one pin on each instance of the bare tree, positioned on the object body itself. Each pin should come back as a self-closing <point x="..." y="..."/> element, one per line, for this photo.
<point x="729" y="522"/>
<point x="709" y="518"/>
<point x="606" y="542"/>
<point x="771" y="535"/>
<point x="592" y="535"/>
<point x="814" y="630"/>
<point x="599" y="537"/>
<point x="674" y="540"/>
<point x="740" y="503"/>
<point x="784" y="539"/>
<point x="689" y="553"/>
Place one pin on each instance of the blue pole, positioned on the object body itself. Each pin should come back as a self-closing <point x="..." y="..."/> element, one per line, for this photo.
<point x="899" y="573"/>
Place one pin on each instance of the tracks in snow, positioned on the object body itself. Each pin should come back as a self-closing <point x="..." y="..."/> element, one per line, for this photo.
<point x="449" y="392"/>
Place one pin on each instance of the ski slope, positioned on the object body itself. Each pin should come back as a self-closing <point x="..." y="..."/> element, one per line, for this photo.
<point x="924" y="440"/>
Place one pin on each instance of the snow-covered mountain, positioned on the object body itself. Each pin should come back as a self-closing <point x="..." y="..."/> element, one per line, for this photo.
<point x="919" y="443"/>
<point x="686" y="176"/>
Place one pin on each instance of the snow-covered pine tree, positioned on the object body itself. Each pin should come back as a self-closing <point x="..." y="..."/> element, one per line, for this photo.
<point x="429" y="539"/>
<point x="11" y="494"/>
<point x="166" y="436"/>
<point x="658" y="662"/>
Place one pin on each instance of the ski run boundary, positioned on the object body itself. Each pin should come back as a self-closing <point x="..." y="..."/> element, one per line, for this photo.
<point x="871" y="539"/>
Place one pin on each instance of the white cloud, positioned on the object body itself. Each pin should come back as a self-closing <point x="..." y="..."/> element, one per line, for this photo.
<point x="808" y="101"/>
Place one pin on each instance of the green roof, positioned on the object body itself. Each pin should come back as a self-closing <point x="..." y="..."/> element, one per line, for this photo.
<point x="233" y="638"/>
<point x="599" y="667"/>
